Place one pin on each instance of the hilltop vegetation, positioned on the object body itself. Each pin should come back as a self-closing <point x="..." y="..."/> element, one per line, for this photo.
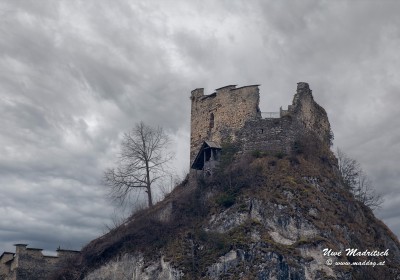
<point x="259" y="216"/>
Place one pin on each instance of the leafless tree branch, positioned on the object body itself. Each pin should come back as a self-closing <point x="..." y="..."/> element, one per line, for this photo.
<point x="357" y="181"/>
<point x="143" y="160"/>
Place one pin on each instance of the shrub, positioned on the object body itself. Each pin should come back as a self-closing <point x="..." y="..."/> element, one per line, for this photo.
<point x="280" y="155"/>
<point x="294" y="160"/>
<point x="226" y="200"/>
<point x="272" y="163"/>
<point x="298" y="147"/>
<point x="228" y="151"/>
<point x="258" y="153"/>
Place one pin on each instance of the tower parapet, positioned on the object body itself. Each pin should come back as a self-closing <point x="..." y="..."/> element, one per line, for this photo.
<point x="197" y="93"/>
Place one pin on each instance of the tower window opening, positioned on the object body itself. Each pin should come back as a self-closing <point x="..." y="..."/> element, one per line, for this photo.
<point x="212" y="120"/>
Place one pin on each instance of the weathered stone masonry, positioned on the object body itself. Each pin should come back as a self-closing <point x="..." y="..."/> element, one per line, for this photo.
<point x="218" y="116"/>
<point x="233" y="114"/>
<point x="30" y="263"/>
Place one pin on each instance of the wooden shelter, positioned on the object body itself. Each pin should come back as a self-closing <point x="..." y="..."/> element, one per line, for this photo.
<point x="207" y="158"/>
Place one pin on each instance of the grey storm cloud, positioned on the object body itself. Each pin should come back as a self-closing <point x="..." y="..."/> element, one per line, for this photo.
<point x="75" y="75"/>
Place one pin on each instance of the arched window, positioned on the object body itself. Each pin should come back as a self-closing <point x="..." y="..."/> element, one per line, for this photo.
<point x="212" y="120"/>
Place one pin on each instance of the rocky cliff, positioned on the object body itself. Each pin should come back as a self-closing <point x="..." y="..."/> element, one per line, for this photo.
<point x="260" y="216"/>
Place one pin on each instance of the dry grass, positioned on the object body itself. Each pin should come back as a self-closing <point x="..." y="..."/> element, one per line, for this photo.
<point x="268" y="178"/>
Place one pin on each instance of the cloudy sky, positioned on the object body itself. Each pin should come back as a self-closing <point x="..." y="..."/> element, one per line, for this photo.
<point x="74" y="75"/>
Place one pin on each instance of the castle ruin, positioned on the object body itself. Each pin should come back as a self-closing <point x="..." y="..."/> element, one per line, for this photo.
<point x="233" y="114"/>
<point x="30" y="263"/>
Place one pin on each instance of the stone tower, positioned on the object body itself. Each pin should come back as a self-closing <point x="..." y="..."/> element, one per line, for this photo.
<point x="220" y="115"/>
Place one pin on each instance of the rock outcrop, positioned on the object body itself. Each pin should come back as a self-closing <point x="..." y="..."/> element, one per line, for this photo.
<point x="263" y="214"/>
<point x="258" y="218"/>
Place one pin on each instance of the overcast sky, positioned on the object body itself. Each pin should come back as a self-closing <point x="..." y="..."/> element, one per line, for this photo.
<point x="74" y="75"/>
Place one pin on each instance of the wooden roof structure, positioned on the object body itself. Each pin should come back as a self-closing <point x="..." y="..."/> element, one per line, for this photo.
<point x="198" y="162"/>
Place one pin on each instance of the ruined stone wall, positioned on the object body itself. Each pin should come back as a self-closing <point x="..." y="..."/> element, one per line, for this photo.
<point x="31" y="264"/>
<point x="309" y="114"/>
<point x="219" y="116"/>
<point x="272" y="135"/>
<point x="279" y="134"/>
<point x="4" y="268"/>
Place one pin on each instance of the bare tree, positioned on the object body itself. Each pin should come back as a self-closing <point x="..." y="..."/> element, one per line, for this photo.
<point x="143" y="160"/>
<point x="364" y="191"/>
<point x="357" y="181"/>
<point x="349" y="169"/>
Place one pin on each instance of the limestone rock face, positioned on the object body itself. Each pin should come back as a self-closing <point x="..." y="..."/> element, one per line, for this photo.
<point x="133" y="267"/>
